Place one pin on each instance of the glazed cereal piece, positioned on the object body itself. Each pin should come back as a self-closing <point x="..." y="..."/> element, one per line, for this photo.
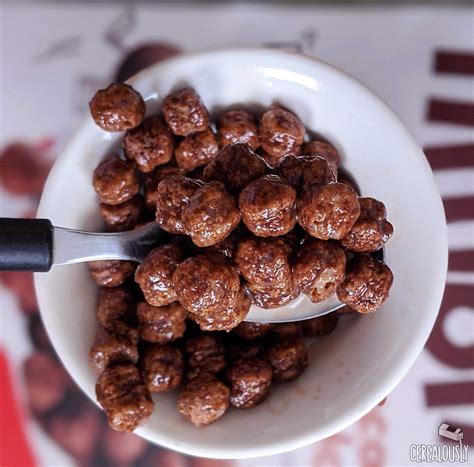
<point x="288" y="358"/>
<point x="205" y="282"/>
<point x="110" y="347"/>
<point x="196" y="150"/>
<point x="117" y="108"/>
<point x="185" y="113"/>
<point x="272" y="296"/>
<point x="237" y="126"/>
<point x="111" y="273"/>
<point x="211" y="215"/>
<point x="161" y="324"/>
<point x="151" y="183"/>
<point x="321" y="326"/>
<point x="204" y="399"/>
<point x="264" y="261"/>
<point x="115" y="181"/>
<point x="227" y="246"/>
<point x="371" y="230"/>
<point x="298" y="171"/>
<point x="250" y="380"/>
<point x="113" y="304"/>
<point x="328" y="211"/>
<point x="122" y="217"/>
<point x="324" y="150"/>
<point x="227" y="317"/>
<point x="318" y="269"/>
<point x="124" y="398"/>
<point x="173" y="195"/>
<point x="267" y="206"/>
<point x="237" y="349"/>
<point x="251" y="331"/>
<point x="236" y="166"/>
<point x="366" y="285"/>
<point x="204" y="353"/>
<point x="162" y="368"/>
<point x="287" y="330"/>
<point x="272" y="161"/>
<point x="281" y="132"/>
<point x="149" y="145"/>
<point x="155" y="274"/>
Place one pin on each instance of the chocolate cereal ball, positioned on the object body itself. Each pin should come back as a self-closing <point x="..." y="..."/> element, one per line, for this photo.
<point x="162" y="368"/>
<point x="287" y="330"/>
<point x="281" y="132"/>
<point x="149" y="145"/>
<point x="185" y="113"/>
<point x="251" y="331"/>
<point x="161" y="324"/>
<point x="206" y="282"/>
<point x="122" y="217"/>
<point x="111" y="273"/>
<point x="124" y="398"/>
<point x="110" y="347"/>
<point x="366" y="285"/>
<point x="211" y="215"/>
<point x="115" y="181"/>
<point x="319" y="268"/>
<point x="288" y="358"/>
<point x="151" y="183"/>
<point x="204" y="399"/>
<point x="117" y="108"/>
<point x="267" y="206"/>
<point x="196" y="150"/>
<point x="321" y="326"/>
<point x="298" y="171"/>
<point x="154" y="274"/>
<point x="173" y="195"/>
<point x="328" y="211"/>
<point x="236" y="166"/>
<point x="272" y="296"/>
<point x="113" y="304"/>
<point x="324" y="150"/>
<point x="250" y="380"/>
<point x="238" y="349"/>
<point x="204" y="353"/>
<point x="237" y="126"/>
<point x="371" y="230"/>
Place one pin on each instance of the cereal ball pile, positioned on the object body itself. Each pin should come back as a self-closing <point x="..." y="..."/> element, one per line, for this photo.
<point x="255" y="212"/>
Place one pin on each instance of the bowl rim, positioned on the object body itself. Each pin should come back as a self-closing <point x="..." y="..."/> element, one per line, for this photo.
<point x="411" y="350"/>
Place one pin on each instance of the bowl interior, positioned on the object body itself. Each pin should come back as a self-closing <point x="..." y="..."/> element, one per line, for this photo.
<point x="360" y="363"/>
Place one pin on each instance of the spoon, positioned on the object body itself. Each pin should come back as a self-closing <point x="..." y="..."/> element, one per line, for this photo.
<point x="36" y="245"/>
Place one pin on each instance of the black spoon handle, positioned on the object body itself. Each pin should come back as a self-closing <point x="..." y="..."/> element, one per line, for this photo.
<point x="26" y="245"/>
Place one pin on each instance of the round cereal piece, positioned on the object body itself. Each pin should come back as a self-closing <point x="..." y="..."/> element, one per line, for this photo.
<point x="281" y="132"/>
<point x="204" y="353"/>
<point x="264" y="261"/>
<point x="227" y="246"/>
<point x="371" y="230"/>
<point x="185" y="113"/>
<point x="173" y="195"/>
<point x="196" y="150"/>
<point x="250" y="380"/>
<point x="319" y="268"/>
<point x="151" y="183"/>
<point x="324" y="150"/>
<point x="162" y="368"/>
<point x="321" y="326"/>
<point x="251" y="331"/>
<point x="115" y="181"/>
<point x="109" y="348"/>
<point x="237" y="126"/>
<point x="124" y="398"/>
<point x="300" y="170"/>
<point x="161" y="324"/>
<point x="114" y="303"/>
<point x="272" y="161"/>
<point x="288" y="358"/>
<point x="272" y="296"/>
<point x="123" y="217"/>
<point x="244" y="349"/>
<point x="211" y="215"/>
<point x="205" y="282"/>
<point x="149" y="145"/>
<point x="155" y="275"/>
<point x="267" y="206"/>
<point x="204" y="399"/>
<point x="328" y="211"/>
<point x="287" y="331"/>
<point x="236" y="166"/>
<point x="111" y="273"/>
<point x="118" y="107"/>
<point x="366" y="285"/>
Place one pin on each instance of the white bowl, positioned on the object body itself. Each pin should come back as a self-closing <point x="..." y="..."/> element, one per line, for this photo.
<point x="362" y="361"/>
